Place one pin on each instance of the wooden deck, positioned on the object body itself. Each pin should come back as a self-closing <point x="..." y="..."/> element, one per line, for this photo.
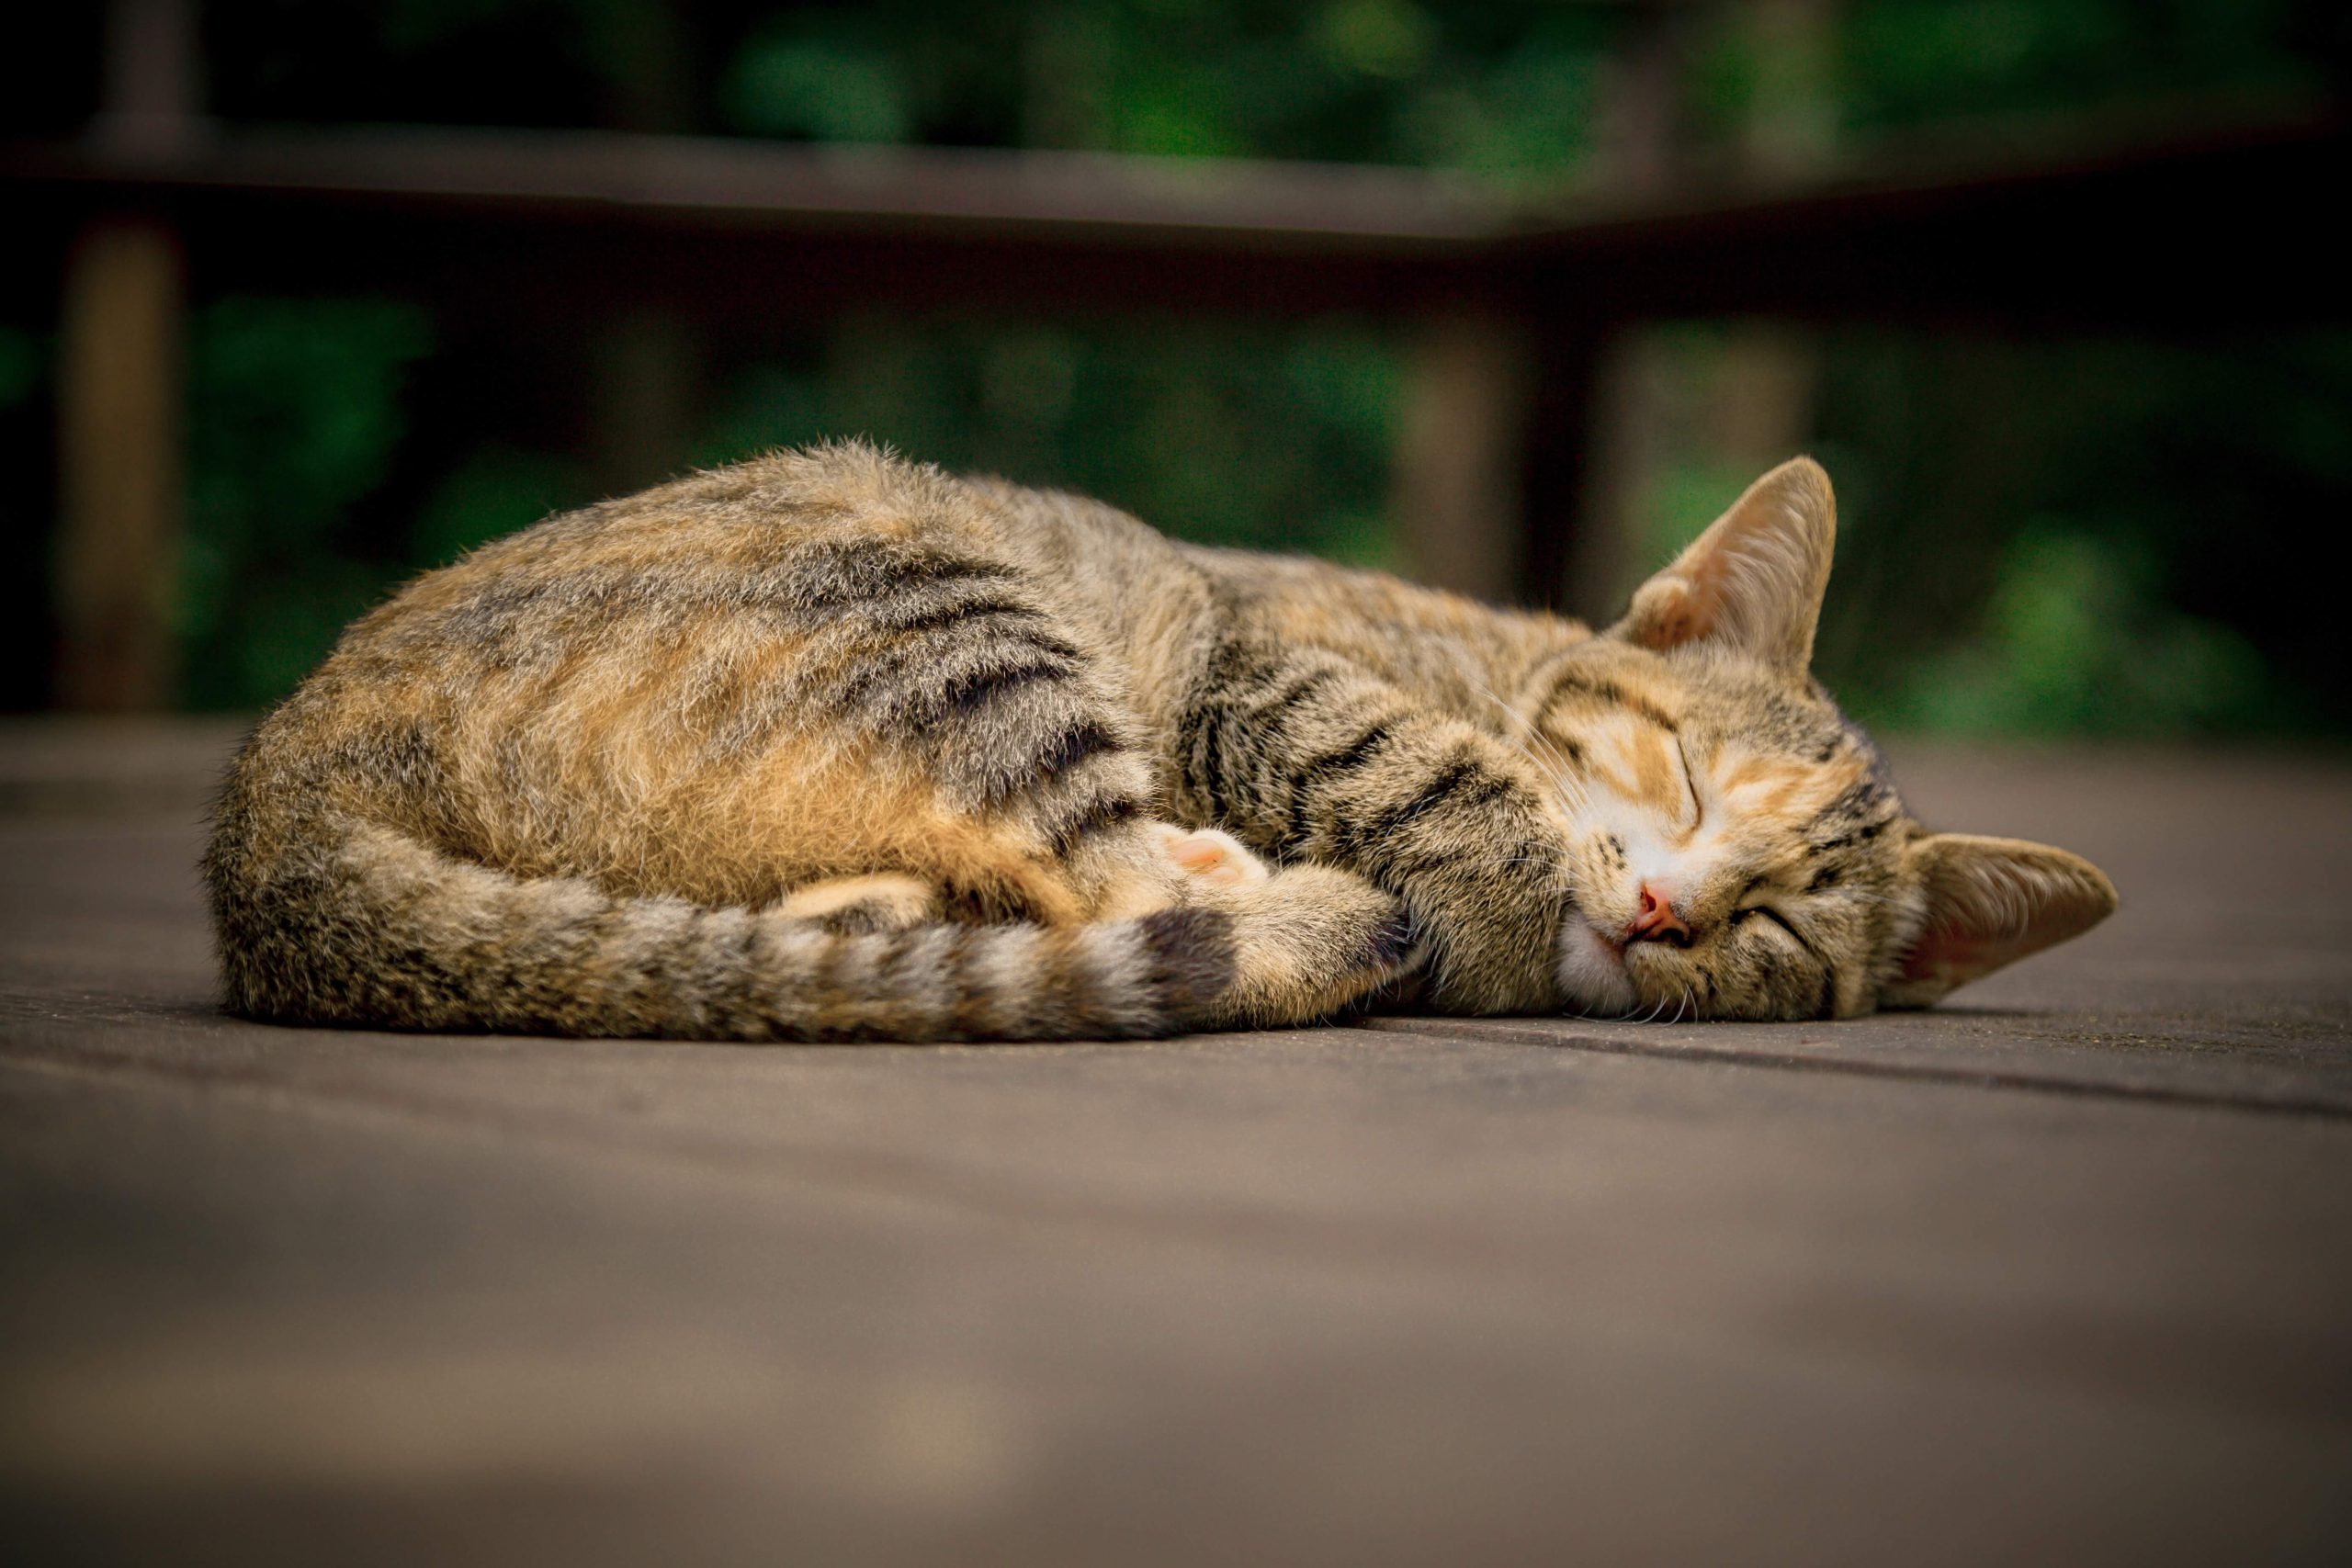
<point x="2062" y="1275"/>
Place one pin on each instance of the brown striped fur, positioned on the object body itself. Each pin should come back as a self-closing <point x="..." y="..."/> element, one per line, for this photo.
<point x="833" y="745"/>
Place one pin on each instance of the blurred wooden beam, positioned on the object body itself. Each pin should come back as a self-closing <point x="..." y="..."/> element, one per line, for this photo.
<point x="1565" y="441"/>
<point x="1588" y="461"/>
<point x="119" y="466"/>
<point x="2064" y="229"/>
<point x="152" y="77"/>
<point x="646" y="362"/>
<point x="120" y="392"/>
<point x="2083" y="228"/>
<point x="555" y="227"/>
<point x="645" y="370"/>
<point x="1456" y="480"/>
<point x="2189" y="228"/>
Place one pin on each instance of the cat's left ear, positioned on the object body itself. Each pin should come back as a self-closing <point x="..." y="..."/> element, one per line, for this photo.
<point x="1991" y="902"/>
<point x="1753" y="582"/>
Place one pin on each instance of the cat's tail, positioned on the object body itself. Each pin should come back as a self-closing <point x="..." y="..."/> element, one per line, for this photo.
<point x="345" y="922"/>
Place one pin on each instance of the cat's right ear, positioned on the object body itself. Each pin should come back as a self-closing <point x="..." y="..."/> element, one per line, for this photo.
<point x="1989" y="903"/>
<point x="1752" y="583"/>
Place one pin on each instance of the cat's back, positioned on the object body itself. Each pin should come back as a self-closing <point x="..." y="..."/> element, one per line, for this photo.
<point x="733" y="679"/>
<point x="798" y="531"/>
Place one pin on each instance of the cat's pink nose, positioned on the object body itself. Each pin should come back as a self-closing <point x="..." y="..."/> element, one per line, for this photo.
<point x="1657" y="921"/>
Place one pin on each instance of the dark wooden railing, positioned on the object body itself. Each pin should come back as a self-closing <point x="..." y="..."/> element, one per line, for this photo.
<point x="1512" y="303"/>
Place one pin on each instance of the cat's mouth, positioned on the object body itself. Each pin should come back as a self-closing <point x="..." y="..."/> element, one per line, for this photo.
<point x="1592" y="970"/>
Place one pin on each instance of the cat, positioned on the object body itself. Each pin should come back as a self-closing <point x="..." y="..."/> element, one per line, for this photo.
<point x="829" y="745"/>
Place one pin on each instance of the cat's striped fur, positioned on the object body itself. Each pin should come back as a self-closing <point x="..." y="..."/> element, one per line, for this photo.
<point x="833" y="745"/>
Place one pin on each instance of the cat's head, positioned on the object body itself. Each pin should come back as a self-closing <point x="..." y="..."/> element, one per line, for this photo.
<point x="1738" y="850"/>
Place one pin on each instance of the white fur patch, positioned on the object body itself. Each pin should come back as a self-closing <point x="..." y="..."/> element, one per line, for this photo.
<point x="1591" y="972"/>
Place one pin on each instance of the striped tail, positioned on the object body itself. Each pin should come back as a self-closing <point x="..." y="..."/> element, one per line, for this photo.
<point x="359" y="924"/>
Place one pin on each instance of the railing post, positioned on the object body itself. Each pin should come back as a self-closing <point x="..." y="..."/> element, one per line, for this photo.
<point x="1458" y="463"/>
<point x="120" y="477"/>
<point x="1588" y="419"/>
<point x="120" y="396"/>
<point x="1569" y="522"/>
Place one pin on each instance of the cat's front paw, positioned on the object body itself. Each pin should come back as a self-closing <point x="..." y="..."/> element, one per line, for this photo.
<point x="1490" y="913"/>
<point x="1310" y="940"/>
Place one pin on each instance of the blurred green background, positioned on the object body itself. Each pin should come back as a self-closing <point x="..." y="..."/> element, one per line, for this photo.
<point x="2077" y="535"/>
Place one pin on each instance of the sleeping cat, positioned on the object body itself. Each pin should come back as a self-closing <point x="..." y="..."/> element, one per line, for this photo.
<point x="829" y="745"/>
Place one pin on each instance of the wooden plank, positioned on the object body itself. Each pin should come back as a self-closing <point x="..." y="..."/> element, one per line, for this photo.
<point x="1330" y="1295"/>
<point x="2291" y="1067"/>
<point x="2194" y="991"/>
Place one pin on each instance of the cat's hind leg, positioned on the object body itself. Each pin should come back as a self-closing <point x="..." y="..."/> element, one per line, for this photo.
<point x="947" y="657"/>
<point x="853" y="906"/>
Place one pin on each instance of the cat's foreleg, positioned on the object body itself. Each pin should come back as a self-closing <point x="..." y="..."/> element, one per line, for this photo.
<point x="960" y="671"/>
<point x="1307" y="939"/>
<point x="1305" y="757"/>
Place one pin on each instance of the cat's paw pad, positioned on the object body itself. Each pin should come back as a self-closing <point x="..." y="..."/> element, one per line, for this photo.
<point x="1216" y="858"/>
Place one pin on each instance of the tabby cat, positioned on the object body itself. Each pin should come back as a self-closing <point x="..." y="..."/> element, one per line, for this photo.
<point x="833" y="746"/>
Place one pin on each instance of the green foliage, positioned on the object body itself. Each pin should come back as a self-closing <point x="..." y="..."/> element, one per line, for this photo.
<point x="1509" y="89"/>
<point x="2057" y="536"/>
<point x="295" y="418"/>
<point x="1910" y="60"/>
<point x="2076" y="641"/>
<point x="20" y="367"/>
<point x="295" y="411"/>
<point x="2063" y="537"/>
<point x="495" y="492"/>
<point x="1680" y="503"/>
<point x="1373" y="37"/>
<point x="1270" y="438"/>
<point x="826" y="91"/>
<point x="2086" y="537"/>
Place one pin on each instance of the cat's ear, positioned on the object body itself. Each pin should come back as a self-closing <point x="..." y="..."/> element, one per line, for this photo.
<point x="1753" y="582"/>
<point x="1991" y="902"/>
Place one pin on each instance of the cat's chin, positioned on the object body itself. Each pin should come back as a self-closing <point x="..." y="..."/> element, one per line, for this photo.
<point x="1592" y="971"/>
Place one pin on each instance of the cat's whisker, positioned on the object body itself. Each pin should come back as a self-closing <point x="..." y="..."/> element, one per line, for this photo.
<point x="1557" y="769"/>
<point x="1548" y="773"/>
